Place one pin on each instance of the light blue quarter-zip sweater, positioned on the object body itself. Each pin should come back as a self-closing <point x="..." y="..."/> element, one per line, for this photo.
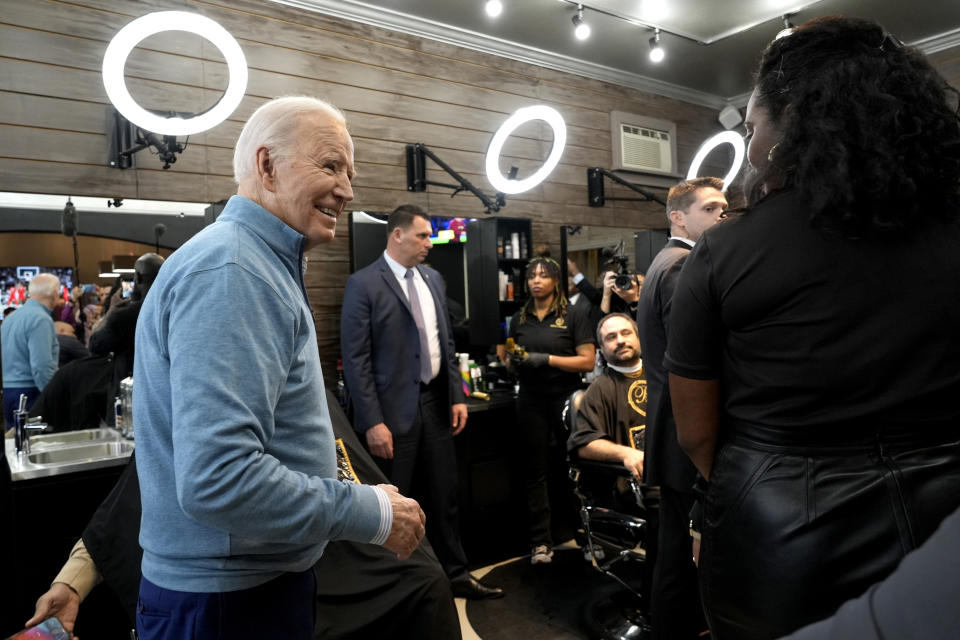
<point x="235" y="448"/>
<point x="30" y="347"/>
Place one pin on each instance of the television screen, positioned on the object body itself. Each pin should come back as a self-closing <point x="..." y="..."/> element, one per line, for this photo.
<point x="446" y="230"/>
<point x="15" y="280"/>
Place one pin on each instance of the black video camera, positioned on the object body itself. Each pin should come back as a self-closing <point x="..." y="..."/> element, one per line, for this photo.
<point x="615" y="259"/>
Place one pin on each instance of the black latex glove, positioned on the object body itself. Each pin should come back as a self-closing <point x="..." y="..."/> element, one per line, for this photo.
<point x="534" y="360"/>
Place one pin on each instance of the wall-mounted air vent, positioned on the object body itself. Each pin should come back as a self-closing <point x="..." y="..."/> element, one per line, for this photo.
<point x="643" y="144"/>
<point x="644" y="149"/>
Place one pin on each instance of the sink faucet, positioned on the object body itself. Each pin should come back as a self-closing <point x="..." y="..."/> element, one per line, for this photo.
<point x="22" y="429"/>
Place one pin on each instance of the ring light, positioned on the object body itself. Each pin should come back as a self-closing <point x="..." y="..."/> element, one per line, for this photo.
<point x="132" y="34"/>
<point x="738" y="153"/>
<point x="522" y="116"/>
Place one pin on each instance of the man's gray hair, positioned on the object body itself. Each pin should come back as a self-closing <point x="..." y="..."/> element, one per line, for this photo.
<point x="44" y="285"/>
<point x="275" y="125"/>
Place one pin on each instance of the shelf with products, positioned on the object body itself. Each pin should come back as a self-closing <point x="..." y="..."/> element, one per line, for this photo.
<point x="497" y="256"/>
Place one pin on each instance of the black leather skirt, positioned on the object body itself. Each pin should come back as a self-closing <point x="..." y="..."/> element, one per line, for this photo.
<point x="796" y="523"/>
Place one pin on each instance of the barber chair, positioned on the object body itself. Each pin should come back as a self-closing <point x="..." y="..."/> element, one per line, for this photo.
<point x="614" y="511"/>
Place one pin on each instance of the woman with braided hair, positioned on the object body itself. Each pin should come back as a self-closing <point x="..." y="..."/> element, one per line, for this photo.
<point x="813" y="352"/>
<point x="558" y="346"/>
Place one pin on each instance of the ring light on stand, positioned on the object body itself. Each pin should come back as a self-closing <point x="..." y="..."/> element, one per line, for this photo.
<point x="132" y="34"/>
<point x="522" y="116"/>
<point x="724" y="137"/>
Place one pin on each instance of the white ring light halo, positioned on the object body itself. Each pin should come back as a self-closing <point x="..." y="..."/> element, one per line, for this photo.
<point x="739" y="151"/>
<point x="522" y="116"/>
<point x="133" y="33"/>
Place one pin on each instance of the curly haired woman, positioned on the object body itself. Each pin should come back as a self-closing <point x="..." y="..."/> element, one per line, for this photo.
<point x="814" y="359"/>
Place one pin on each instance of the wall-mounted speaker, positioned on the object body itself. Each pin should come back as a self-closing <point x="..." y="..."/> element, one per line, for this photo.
<point x="595" y="197"/>
<point x="729" y="117"/>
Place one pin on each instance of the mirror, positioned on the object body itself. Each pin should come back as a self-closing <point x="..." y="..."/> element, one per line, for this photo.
<point x="448" y="256"/>
<point x="592" y="247"/>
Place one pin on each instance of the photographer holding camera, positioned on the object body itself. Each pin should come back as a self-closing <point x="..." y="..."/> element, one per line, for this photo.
<point x="621" y="292"/>
<point x="621" y="288"/>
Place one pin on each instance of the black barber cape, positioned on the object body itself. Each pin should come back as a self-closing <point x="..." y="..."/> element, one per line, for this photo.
<point x="614" y="407"/>
<point x="76" y="396"/>
<point x="363" y="591"/>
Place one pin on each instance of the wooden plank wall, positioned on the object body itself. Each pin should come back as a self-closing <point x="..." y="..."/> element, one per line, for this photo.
<point x="947" y="62"/>
<point x="394" y="88"/>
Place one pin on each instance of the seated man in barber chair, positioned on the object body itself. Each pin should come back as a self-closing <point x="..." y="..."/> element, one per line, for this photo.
<point x="612" y="413"/>
<point x="607" y="423"/>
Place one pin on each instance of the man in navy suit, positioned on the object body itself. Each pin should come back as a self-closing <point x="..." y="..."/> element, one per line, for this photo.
<point x="398" y="359"/>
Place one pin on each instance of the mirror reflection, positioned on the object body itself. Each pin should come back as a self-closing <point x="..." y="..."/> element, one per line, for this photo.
<point x="612" y="262"/>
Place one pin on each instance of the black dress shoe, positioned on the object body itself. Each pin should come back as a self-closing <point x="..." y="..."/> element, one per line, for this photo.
<point x="472" y="589"/>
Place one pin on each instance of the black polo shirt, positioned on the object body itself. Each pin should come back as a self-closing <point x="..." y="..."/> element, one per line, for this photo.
<point x="806" y="328"/>
<point x="555" y="335"/>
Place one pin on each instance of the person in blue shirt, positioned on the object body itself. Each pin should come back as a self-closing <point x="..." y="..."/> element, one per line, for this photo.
<point x="30" y="347"/>
<point x="235" y="449"/>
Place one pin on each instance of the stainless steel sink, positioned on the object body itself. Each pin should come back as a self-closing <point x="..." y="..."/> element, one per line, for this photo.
<point x="80" y="453"/>
<point x="83" y="436"/>
<point x="55" y="454"/>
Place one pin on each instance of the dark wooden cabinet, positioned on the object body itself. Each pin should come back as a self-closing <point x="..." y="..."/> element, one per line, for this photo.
<point x="496" y="246"/>
<point x="490" y="487"/>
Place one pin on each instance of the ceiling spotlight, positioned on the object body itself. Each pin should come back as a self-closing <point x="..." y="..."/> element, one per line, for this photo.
<point x="656" y="51"/>
<point x="581" y="29"/>
<point x="494" y="7"/>
<point x="788" y="28"/>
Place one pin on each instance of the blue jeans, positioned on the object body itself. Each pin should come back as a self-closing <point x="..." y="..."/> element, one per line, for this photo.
<point x="280" y="608"/>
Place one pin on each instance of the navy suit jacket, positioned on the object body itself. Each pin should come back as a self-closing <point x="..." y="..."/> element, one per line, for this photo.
<point x="380" y="347"/>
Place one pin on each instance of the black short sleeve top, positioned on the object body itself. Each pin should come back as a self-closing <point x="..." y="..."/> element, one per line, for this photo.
<point x="555" y="335"/>
<point x="805" y="328"/>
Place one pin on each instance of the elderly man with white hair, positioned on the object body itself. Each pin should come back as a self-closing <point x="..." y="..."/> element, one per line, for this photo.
<point x="235" y="449"/>
<point x="30" y="347"/>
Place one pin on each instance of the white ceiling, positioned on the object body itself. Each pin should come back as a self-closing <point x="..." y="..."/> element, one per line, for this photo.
<point x="712" y="45"/>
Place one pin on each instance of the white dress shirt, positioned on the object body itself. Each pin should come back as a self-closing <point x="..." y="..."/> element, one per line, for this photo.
<point x="427" y="307"/>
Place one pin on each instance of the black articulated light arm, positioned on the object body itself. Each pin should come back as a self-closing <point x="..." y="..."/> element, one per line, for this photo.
<point x="125" y="139"/>
<point x="165" y="147"/>
<point x="417" y="177"/>
<point x="595" y="194"/>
